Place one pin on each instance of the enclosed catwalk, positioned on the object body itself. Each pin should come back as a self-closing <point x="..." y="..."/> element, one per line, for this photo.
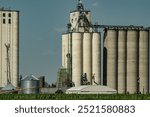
<point x="96" y="58"/>
<point x="122" y="38"/>
<point x="30" y="85"/>
<point x="143" y="61"/>
<point x="87" y="55"/>
<point x="77" y="62"/>
<point x="110" y="43"/>
<point x="132" y="60"/>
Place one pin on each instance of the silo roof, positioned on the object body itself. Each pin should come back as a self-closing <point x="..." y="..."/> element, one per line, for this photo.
<point x="29" y="77"/>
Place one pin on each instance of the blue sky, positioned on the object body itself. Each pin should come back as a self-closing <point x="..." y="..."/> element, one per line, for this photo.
<point x="43" y="21"/>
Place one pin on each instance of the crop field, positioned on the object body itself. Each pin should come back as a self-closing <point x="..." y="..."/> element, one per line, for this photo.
<point x="73" y="97"/>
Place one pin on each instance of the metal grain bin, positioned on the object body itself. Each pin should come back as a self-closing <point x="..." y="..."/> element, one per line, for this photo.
<point x="30" y="85"/>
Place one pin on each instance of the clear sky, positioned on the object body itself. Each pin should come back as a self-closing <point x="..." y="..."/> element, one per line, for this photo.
<point x="43" y="21"/>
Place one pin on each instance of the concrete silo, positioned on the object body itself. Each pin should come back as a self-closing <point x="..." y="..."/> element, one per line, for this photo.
<point x="15" y="49"/>
<point x="96" y="58"/>
<point x="87" y="55"/>
<point x="65" y="39"/>
<point x="111" y="46"/>
<point x="122" y="38"/>
<point x="132" y="60"/>
<point x="143" y="61"/>
<point x="77" y="62"/>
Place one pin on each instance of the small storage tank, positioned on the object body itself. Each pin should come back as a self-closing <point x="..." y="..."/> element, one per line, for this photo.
<point x="122" y="38"/>
<point x="77" y="62"/>
<point x="132" y="60"/>
<point x="96" y="58"/>
<point x="111" y="46"/>
<point x="143" y="61"/>
<point x="87" y="55"/>
<point x="41" y="81"/>
<point x="30" y="85"/>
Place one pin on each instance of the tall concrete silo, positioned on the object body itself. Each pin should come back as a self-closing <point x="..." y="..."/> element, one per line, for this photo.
<point x="111" y="46"/>
<point x="143" y="61"/>
<point x="122" y="38"/>
<point x="132" y="60"/>
<point x="15" y="49"/>
<point x="87" y="55"/>
<point x="96" y="58"/>
<point x="77" y="58"/>
<point x="65" y="41"/>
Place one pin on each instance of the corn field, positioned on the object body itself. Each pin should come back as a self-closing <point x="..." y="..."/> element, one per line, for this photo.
<point x="73" y="97"/>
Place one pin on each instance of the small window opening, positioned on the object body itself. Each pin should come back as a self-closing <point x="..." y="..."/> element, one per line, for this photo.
<point x="4" y="14"/>
<point x="9" y="15"/>
<point x="4" y="21"/>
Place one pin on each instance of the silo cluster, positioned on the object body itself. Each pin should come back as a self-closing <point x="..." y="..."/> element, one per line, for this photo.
<point x="81" y="49"/>
<point x="127" y="59"/>
<point x="125" y="54"/>
<point x="84" y="49"/>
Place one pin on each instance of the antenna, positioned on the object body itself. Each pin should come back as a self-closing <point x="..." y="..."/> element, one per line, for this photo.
<point x="80" y="6"/>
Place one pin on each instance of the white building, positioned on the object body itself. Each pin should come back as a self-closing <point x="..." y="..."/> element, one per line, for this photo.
<point x="9" y="47"/>
<point x="91" y="89"/>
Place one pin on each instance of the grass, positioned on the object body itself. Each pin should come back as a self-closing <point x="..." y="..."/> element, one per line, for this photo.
<point x="74" y="97"/>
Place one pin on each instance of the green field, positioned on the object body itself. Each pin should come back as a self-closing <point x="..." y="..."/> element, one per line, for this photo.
<point x="73" y="97"/>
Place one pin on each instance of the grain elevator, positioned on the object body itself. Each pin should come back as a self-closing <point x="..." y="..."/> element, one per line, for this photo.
<point x="81" y="48"/>
<point x="124" y="51"/>
<point x="9" y="47"/>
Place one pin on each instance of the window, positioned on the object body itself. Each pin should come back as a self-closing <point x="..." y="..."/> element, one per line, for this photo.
<point x="9" y="15"/>
<point x="4" y="21"/>
<point x="9" y="21"/>
<point x="4" y="15"/>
